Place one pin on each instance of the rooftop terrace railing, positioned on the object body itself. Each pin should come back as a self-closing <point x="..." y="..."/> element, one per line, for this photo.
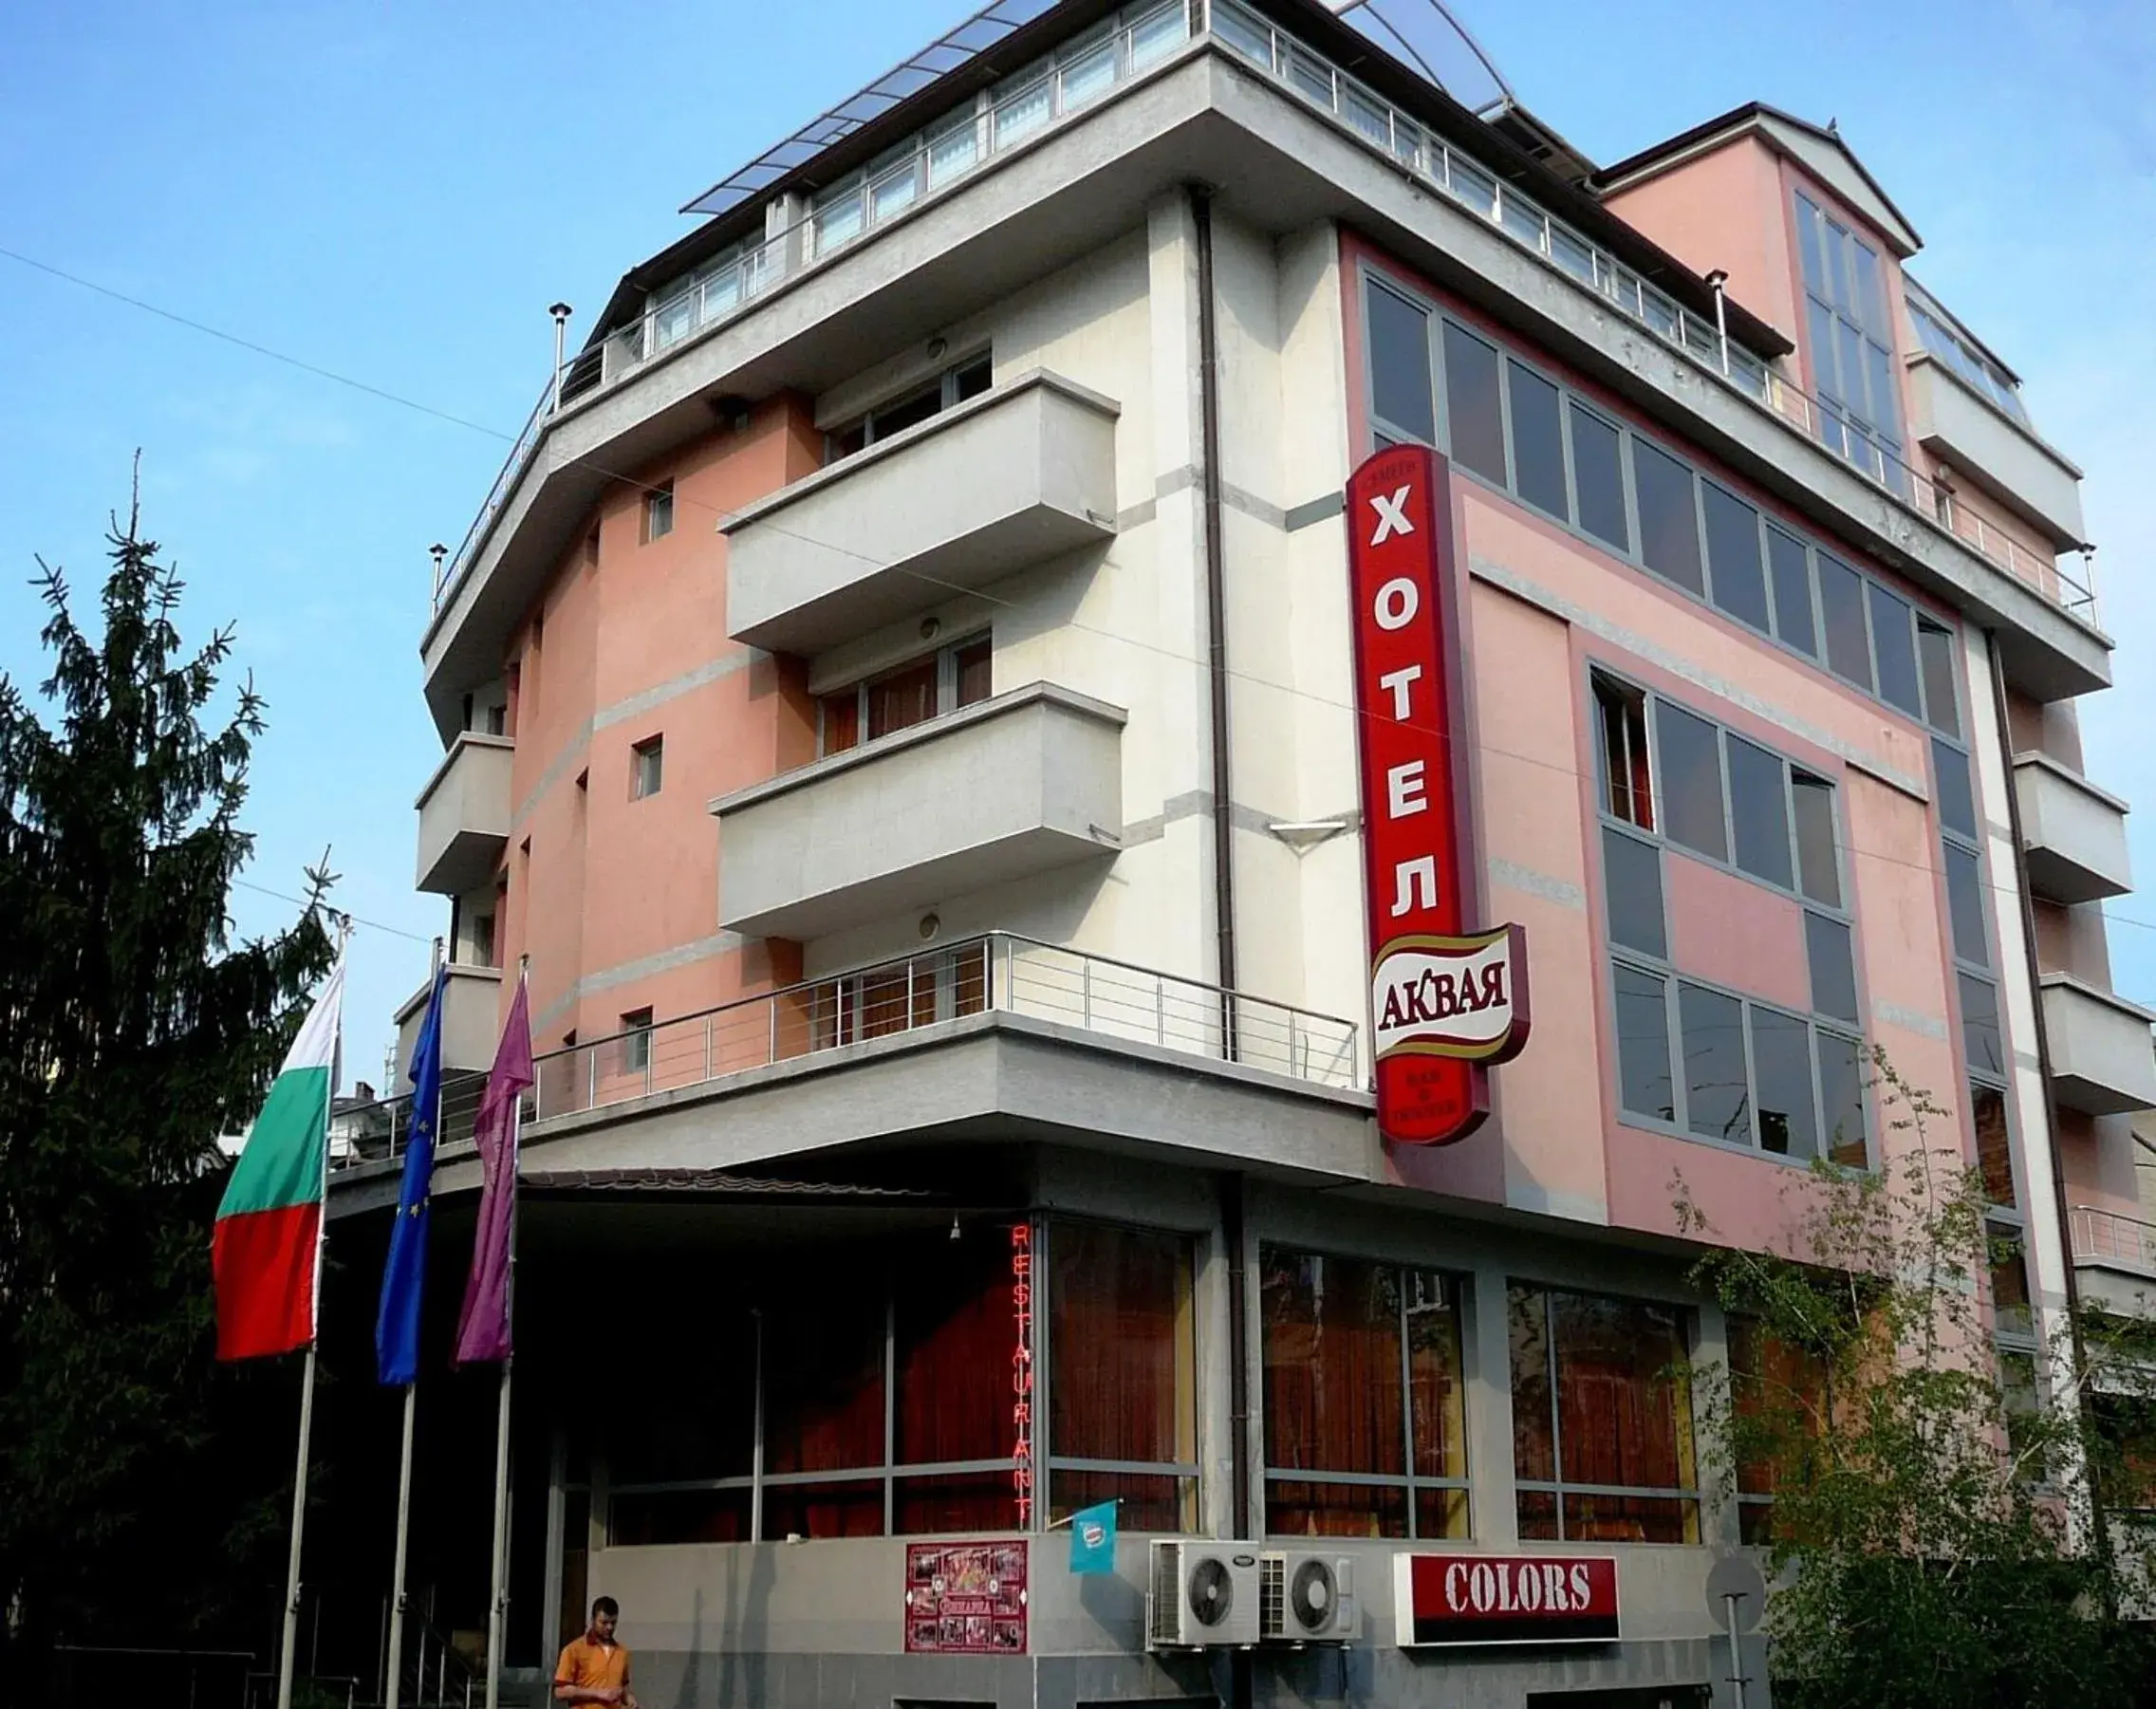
<point x="1142" y="39"/>
<point x="998" y="973"/>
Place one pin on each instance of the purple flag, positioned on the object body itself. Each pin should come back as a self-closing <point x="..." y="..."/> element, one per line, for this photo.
<point x="482" y="1325"/>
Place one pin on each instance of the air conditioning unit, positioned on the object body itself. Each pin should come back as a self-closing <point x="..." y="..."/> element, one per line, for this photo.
<point x="1306" y="1598"/>
<point x="1202" y="1594"/>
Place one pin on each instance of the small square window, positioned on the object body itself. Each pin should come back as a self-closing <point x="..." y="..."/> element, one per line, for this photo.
<point x="646" y="767"/>
<point x="658" y="512"/>
<point x="636" y="1041"/>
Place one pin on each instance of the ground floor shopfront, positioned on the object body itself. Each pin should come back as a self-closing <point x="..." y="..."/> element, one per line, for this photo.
<point x="741" y="1402"/>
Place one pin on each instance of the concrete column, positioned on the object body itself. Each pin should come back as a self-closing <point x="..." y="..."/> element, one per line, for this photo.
<point x="1486" y="1359"/>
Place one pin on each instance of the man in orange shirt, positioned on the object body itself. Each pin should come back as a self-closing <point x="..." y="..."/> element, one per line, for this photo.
<point x="595" y="1669"/>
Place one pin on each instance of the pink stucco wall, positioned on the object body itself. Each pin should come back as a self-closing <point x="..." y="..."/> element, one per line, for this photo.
<point x="609" y="895"/>
<point x="1717" y="210"/>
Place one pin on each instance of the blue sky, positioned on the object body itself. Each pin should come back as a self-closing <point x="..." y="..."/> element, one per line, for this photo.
<point x="396" y="193"/>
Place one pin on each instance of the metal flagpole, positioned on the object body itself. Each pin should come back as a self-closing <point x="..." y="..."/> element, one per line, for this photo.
<point x="497" y="1617"/>
<point x="392" y="1683"/>
<point x="290" y="1647"/>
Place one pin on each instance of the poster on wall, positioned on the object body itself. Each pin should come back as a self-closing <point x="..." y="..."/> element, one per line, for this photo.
<point x="1449" y="999"/>
<point x="966" y="1599"/>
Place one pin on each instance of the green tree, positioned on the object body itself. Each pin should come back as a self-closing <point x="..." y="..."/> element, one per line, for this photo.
<point x="1934" y="1534"/>
<point x="134" y="1030"/>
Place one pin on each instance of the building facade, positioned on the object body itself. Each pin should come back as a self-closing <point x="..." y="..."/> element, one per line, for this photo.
<point x="898" y="704"/>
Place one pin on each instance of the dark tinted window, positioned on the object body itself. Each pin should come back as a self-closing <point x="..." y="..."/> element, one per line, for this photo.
<point x="1473" y="412"/>
<point x="1691" y="781"/>
<point x="1965" y="904"/>
<point x="1894" y="641"/>
<point x="1816" y="874"/>
<point x="1841" y="1097"/>
<point x="1717" y="1102"/>
<point x="1669" y="528"/>
<point x="1781" y="1067"/>
<point x="1538" y="441"/>
<point x="1840" y="606"/>
<point x="1399" y="366"/>
<point x="1758" y="812"/>
<point x="1632" y="877"/>
<point x="1791" y="576"/>
<point x="1987" y="1111"/>
<point x="1643" y="1045"/>
<point x="1957" y="803"/>
<point x="1935" y="653"/>
<point x="1980" y="1038"/>
<point x="1834" y="972"/>
<point x="1733" y="557"/>
<point x="1600" y="480"/>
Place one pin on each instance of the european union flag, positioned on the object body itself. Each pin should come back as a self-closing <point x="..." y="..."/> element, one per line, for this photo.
<point x="397" y="1324"/>
<point x="1092" y="1539"/>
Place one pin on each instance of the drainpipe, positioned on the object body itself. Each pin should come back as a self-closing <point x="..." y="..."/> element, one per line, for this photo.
<point x="2102" y="1537"/>
<point x="1215" y="613"/>
<point x="1232" y="1226"/>
<point x="561" y="312"/>
<point x="1716" y="281"/>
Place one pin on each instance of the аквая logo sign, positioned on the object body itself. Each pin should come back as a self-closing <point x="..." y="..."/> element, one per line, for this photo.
<point x="1446" y="999"/>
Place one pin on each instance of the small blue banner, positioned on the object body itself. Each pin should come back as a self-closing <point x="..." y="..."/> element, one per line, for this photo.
<point x="1092" y="1539"/>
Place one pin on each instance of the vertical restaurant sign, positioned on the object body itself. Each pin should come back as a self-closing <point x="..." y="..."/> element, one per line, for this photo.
<point x="1022" y="1371"/>
<point x="1447" y="999"/>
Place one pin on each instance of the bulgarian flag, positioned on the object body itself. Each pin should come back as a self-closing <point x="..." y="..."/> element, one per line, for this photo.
<point x="267" y="1251"/>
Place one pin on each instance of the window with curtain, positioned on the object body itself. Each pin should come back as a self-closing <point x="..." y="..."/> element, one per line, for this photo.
<point x="1784" y="1402"/>
<point x="1365" y="1427"/>
<point x="1602" y="1427"/>
<point x="1123" y="1375"/>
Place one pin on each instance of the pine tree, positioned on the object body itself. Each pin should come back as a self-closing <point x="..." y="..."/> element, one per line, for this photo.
<point x="134" y="1030"/>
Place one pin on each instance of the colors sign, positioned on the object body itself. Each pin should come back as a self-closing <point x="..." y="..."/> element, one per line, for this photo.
<point x="1442" y="1599"/>
<point x="1447" y="999"/>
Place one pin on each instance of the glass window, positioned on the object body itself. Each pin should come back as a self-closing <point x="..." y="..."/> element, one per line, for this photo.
<point x="1600" y="478"/>
<point x="1717" y="1102"/>
<point x="1474" y="411"/>
<point x="1995" y="1158"/>
<point x="1817" y="876"/>
<point x="647" y="768"/>
<point x="1965" y="904"/>
<point x="1841" y="1099"/>
<point x="824" y="1376"/>
<point x="1340" y="1396"/>
<point x="1733" y="557"/>
<point x="1632" y="879"/>
<point x="703" y="1424"/>
<point x="1790" y="569"/>
<point x="1619" y="1466"/>
<point x="972" y="662"/>
<point x="1781" y="1067"/>
<point x="1935" y="653"/>
<point x="902" y="700"/>
<point x="636" y="1041"/>
<point x="1758" y="812"/>
<point x="1957" y="800"/>
<point x="1893" y="640"/>
<point x="658" y="512"/>
<point x="1538" y="441"/>
<point x="841" y="721"/>
<point x="2011" y="1315"/>
<point x="1122" y="1385"/>
<point x="1628" y="789"/>
<point x="1833" y="973"/>
<point x="1399" y="366"/>
<point x="1841" y="604"/>
<point x="1669" y="527"/>
<point x="952" y="1337"/>
<point x="1689" y="751"/>
<point x="1643" y="1085"/>
<point x="1980" y="1039"/>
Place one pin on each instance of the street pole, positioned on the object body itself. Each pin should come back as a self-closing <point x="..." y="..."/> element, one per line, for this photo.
<point x="497" y="1617"/>
<point x="1735" y="1651"/>
<point x="299" y="1528"/>
<point x="393" y="1678"/>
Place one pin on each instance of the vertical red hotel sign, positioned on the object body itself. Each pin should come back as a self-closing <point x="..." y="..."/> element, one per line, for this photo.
<point x="1447" y="999"/>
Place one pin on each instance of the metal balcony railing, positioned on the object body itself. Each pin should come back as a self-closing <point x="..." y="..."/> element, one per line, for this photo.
<point x="1093" y="64"/>
<point x="2099" y="1236"/>
<point x="996" y="973"/>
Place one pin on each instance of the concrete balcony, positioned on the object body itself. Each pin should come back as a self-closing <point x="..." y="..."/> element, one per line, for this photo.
<point x="464" y="814"/>
<point x="2074" y="833"/>
<point x="1002" y="481"/>
<point x="2103" y="1059"/>
<point x="470" y="1021"/>
<point x="1020" y="784"/>
<point x="2114" y="1259"/>
<point x="1998" y="454"/>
